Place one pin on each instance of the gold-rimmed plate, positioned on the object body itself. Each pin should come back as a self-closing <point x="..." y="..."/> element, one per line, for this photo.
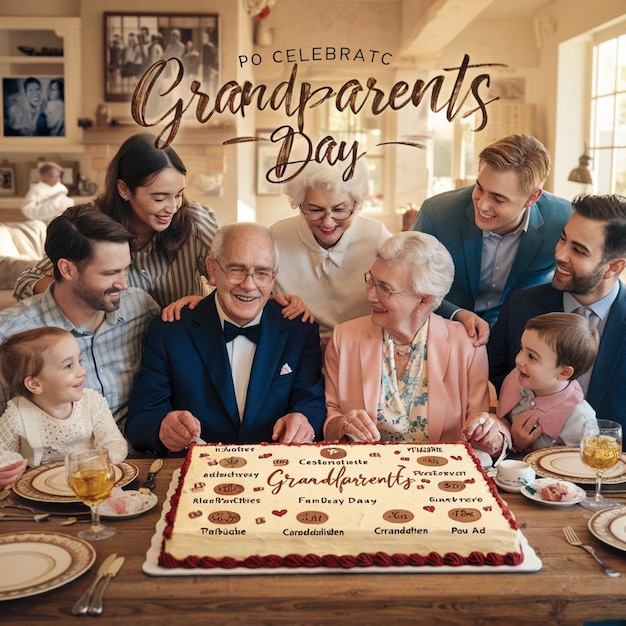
<point x="564" y="463"/>
<point x="32" y="563"/>
<point x="609" y="526"/>
<point x="47" y="483"/>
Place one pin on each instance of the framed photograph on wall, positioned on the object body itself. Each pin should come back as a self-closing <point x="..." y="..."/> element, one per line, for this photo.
<point x="34" y="106"/>
<point x="7" y="179"/>
<point x="135" y="41"/>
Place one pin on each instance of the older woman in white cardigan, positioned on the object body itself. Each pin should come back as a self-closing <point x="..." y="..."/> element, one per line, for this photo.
<point x="328" y="244"/>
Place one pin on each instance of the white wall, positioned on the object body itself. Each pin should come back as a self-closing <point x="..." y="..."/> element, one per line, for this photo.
<point x="565" y="79"/>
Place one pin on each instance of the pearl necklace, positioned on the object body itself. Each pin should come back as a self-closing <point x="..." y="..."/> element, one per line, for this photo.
<point x="403" y="352"/>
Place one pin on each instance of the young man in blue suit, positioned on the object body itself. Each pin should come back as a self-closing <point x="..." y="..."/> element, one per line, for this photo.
<point x="501" y="232"/>
<point x="232" y="370"/>
<point x="590" y="256"/>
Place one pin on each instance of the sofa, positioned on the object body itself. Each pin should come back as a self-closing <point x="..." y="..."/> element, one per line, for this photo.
<point x="21" y="246"/>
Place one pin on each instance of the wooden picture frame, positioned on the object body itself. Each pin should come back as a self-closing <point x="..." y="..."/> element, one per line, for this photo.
<point x="70" y="174"/>
<point x="7" y="179"/>
<point x="135" y="41"/>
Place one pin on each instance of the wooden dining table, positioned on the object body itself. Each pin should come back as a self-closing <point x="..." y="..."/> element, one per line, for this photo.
<point x="570" y="588"/>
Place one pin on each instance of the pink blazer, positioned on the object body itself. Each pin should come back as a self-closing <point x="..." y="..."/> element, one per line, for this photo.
<point x="457" y="374"/>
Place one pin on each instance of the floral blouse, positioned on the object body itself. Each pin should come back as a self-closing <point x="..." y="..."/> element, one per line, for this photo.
<point x="402" y="413"/>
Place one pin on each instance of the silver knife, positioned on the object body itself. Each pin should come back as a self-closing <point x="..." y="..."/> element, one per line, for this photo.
<point x="82" y="604"/>
<point x="95" y="606"/>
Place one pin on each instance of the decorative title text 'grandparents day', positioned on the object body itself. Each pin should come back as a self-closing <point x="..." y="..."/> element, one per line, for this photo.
<point x="452" y="90"/>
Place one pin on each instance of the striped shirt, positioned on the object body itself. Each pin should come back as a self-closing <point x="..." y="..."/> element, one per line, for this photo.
<point x="165" y="278"/>
<point x="111" y="355"/>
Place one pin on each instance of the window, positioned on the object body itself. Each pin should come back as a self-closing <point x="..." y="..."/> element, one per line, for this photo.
<point x="367" y="131"/>
<point x="454" y="153"/>
<point x="608" y="114"/>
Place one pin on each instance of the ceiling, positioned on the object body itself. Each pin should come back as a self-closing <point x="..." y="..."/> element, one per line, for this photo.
<point x="443" y="20"/>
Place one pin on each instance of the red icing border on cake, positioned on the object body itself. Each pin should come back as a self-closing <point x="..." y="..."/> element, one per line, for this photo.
<point x="378" y="559"/>
<point x="333" y="561"/>
<point x="494" y="489"/>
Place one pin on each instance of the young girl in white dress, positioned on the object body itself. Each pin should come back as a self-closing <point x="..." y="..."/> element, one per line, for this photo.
<point x="50" y="414"/>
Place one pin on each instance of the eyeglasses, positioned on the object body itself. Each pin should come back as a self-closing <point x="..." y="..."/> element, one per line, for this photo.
<point x="318" y="215"/>
<point x="383" y="290"/>
<point x="237" y="275"/>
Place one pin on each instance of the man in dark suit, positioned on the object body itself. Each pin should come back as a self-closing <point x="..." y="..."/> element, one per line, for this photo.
<point x="500" y="232"/>
<point x="590" y="256"/>
<point x="232" y="370"/>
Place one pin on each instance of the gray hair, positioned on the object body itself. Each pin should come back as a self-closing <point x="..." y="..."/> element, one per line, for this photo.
<point x="227" y="233"/>
<point x="326" y="177"/>
<point x="430" y="265"/>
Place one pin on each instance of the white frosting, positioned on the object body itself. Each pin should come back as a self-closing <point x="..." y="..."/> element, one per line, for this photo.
<point x="243" y="500"/>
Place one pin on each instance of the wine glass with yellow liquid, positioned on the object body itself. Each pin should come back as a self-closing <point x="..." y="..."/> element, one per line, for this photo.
<point x="91" y="477"/>
<point x="600" y="450"/>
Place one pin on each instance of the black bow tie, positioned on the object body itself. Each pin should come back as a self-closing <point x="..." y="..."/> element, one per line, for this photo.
<point x="251" y="332"/>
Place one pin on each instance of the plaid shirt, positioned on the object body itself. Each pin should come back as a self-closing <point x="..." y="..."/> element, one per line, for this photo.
<point x="111" y="355"/>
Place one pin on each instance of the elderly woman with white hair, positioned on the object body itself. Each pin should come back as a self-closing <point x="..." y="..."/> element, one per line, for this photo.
<point x="324" y="247"/>
<point x="404" y="373"/>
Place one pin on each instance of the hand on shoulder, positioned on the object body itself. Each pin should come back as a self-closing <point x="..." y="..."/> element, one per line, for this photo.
<point x="477" y="328"/>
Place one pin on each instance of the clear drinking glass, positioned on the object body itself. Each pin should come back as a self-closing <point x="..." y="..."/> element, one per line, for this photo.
<point x="600" y="450"/>
<point x="91" y="477"/>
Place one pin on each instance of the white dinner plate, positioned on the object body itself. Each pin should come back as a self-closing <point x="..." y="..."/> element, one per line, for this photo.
<point x="47" y="483"/>
<point x="506" y="487"/>
<point x="31" y="563"/>
<point x="127" y="504"/>
<point x="562" y="462"/>
<point x="540" y="483"/>
<point x="609" y="526"/>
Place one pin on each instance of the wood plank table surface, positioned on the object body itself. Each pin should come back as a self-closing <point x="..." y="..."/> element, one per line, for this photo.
<point x="569" y="589"/>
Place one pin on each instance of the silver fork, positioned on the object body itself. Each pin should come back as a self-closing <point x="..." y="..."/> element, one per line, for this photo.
<point x="573" y="539"/>
<point x="20" y="506"/>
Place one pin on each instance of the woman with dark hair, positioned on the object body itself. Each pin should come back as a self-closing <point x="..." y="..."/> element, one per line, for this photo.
<point x="144" y="192"/>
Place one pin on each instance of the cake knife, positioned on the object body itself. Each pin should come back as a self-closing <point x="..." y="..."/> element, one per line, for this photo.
<point x="155" y="467"/>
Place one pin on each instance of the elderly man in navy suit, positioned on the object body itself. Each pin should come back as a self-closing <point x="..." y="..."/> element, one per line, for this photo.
<point x="232" y="370"/>
<point x="590" y="256"/>
<point x="500" y="232"/>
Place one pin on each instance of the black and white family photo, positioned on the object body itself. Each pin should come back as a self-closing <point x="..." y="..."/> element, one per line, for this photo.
<point x="34" y="106"/>
<point x="134" y="42"/>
